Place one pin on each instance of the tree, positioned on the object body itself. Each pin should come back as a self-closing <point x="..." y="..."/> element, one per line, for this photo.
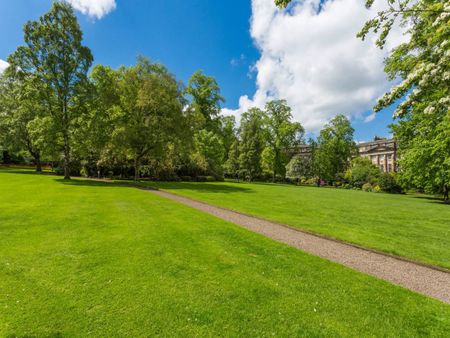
<point x="268" y="162"/>
<point x="98" y="124"/>
<point x="228" y="133"/>
<point x="335" y="147"/>
<point x="150" y="115"/>
<point x="56" y="61"/>
<point x="19" y="127"/>
<point x="424" y="151"/>
<point x="210" y="152"/>
<point x="283" y="134"/>
<point x="253" y="141"/>
<point x="299" y="167"/>
<point x="232" y="165"/>
<point x="423" y="64"/>
<point x="205" y="99"/>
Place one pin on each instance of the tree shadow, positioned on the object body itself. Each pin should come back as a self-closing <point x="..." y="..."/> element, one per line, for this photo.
<point x="81" y="182"/>
<point x="432" y="199"/>
<point x="6" y="170"/>
<point x="202" y="187"/>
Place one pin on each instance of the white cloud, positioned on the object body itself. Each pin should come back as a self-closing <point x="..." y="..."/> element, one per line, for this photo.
<point x="313" y="59"/>
<point x="94" y="8"/>
<point x="3" y="65"/>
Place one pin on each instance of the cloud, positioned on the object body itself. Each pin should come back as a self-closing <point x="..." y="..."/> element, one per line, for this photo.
<point x="94" y="8"/>
<point x="3" y="65"/>
<point x="311" y="57"/>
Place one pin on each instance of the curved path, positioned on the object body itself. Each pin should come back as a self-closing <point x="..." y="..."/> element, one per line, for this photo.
<point x="426" y="280"/>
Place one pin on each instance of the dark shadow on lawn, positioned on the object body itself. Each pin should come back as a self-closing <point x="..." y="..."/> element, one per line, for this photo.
<point x="204" y="187"/>
<point x="24" y="172"/>
<point x="432" y="199"/>
<point x="90" y="183"/>
<point x="200" y="187"/>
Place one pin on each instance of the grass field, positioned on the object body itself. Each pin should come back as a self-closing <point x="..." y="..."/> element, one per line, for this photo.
<point x="93" y="259"/>
<point x="416" y="227"/>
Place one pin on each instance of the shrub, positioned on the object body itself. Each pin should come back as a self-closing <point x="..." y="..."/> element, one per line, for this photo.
<point x="376" y="188"/>
<point x="388" y="183"/>
<point x="186" y="178"/>
<point x="367" y="187"/>
<point x="362" y="171"/>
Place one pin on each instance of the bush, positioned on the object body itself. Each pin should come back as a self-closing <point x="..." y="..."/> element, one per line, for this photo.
<point x="367" y="187"/>
<point x="186" y="178"/>
<point x="376" y="188"/>
<point x="362" y="171"/>
<point x="388" y="183"/>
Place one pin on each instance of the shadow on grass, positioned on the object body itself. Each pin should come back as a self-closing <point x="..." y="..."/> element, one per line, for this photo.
<point x="6" y="170"/>
<point x="431" y="199"/>
<point x="90" y="183"/>
<point x="200" y="187"/>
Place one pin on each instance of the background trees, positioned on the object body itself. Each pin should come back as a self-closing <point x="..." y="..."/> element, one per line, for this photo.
<point x="252" y="143"/>
<point x="282" y="135"/>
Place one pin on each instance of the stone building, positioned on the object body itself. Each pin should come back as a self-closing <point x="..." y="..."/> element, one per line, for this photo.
<point x="382" y="152"/>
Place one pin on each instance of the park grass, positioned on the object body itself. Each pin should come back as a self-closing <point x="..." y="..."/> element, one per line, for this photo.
<point x="85" y="258"/>
<point x="413" y="226"/>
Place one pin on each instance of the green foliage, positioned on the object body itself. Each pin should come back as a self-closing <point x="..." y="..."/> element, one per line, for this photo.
<point x="253" y="140"/>
<point x="423" y="62"/>
<point x="210" y="152"/>
<point x="335" y="147"/>
<point x="206" y="99"/>
<point x="298" y="167"/>
<point x="388" y="183"/>
<point x="362" y="171"/>
<point x="282" y="3"/>
<point x="367" y="187"/>
<point x="150" y="111"/>
<point x="232" y="165"/>
<point x="282" y="135"/>
<point x="55" y="63"/>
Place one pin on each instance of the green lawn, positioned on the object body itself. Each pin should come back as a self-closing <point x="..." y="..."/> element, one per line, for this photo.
<point x="417" y="227"/>
<point x="94" y="259"/>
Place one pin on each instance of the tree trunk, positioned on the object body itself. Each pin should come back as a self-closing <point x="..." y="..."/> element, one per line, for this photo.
<point x="446" y="194"/>
<point x="38" y="163"/>
<point x="136" y="168"/>
<point x="66" y="157"/>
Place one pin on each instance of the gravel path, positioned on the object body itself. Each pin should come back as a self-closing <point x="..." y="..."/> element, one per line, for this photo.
<point x="422" y="279"/>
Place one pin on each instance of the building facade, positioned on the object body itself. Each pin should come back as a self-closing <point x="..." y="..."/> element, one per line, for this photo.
<point x="382" y="152"/>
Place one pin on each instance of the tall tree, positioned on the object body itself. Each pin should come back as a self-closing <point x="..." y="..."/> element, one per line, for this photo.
<point x="57" y="62"/>
<point x="151" y="104"/>
<point x="335" y="148"/>
<point x="253" y="142"/>
<point x="93" y="139"/>
<point x="283" y="134"/>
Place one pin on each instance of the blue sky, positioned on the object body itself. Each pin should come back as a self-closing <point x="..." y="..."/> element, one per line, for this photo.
<point x="215" y="36"/>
